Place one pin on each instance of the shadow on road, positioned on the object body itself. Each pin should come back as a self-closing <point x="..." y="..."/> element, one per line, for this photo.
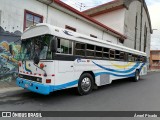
<point x="26" y="95"/>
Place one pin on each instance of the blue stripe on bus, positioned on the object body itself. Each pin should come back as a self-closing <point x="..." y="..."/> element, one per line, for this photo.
<point x="63" y="86"/>
<point x="118" y="71"/>
<point x="42" y="88"/>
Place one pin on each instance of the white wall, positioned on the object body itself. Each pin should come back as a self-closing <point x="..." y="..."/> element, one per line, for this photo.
<point x="114" y="19"/>
<point x="63" y="19"/>
<point x="13" y="13"/>
<point x="13" y="18"/>
<point x="123" y="21"/>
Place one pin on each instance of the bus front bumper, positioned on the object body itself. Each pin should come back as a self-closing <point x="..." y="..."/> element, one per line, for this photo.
<point x="33" y="86"/>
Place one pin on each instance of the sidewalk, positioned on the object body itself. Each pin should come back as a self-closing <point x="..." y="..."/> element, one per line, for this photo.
<point x="8" y="86"/>
<point x="153" y="70"/>
<point x="9" y="89"/>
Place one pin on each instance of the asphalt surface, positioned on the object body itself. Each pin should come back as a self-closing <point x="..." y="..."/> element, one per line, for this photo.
<point x="121" y="95"/>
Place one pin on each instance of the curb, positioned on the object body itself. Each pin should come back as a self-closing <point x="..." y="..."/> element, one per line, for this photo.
<point x="154" y="71"/>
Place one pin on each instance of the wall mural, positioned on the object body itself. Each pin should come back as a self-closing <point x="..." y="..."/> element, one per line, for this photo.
<point x="8" y="61"/>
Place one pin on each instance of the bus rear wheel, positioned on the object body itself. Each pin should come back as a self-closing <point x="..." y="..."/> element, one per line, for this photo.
<point x="137" y="76"/>
<point x="85" y="84"/>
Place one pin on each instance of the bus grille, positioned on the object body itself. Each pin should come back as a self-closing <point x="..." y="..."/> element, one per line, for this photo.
<point x="36" y="79"/>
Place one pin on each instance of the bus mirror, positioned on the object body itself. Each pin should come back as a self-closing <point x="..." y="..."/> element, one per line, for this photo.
<point x="10" y="49"/>
<point x="53" y="46"/>
<point x="36" y="60"/>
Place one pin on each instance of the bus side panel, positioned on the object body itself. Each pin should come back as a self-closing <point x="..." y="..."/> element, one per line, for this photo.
<point x="108" y="70"/>
<point x="144" y="70"/>
<point x="50" y="70"/>
<point x="113" y="70"/>
<point x="64" y="75"/>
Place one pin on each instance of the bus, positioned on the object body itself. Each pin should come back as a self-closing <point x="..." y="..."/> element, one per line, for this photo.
<point x="53" y="58"/>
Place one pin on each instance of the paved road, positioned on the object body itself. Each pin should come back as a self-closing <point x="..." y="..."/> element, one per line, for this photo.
<point x="121" y="95"/>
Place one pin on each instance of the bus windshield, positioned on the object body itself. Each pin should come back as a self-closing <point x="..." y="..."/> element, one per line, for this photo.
<point x="37" y="46"/>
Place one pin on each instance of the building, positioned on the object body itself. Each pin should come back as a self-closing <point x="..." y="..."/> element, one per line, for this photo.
<point x="130" y="18"/>
<point x="29" y="12"/>
<point x="17" y="15"/>
<point x="154" y="59"/>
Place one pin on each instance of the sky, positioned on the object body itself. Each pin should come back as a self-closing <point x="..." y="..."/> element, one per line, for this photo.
<point x="154" y="10"/>
<point x="153" y="7"/>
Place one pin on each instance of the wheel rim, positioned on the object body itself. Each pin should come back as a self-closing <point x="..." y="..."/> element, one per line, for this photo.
<point x="86" y="84"/>
<point x="137" y="76"/>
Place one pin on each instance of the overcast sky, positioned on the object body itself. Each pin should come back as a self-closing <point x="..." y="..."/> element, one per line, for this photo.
<point x="154" y="10"/>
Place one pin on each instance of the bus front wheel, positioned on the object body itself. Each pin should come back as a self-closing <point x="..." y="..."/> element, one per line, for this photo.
<point x="85" y="84"/>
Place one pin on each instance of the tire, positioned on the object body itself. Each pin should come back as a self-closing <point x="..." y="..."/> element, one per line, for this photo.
<point x="85" y="84"/>
<point x="137" y="76"/>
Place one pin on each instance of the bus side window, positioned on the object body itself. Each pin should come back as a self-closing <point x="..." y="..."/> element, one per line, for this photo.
<point x="135" y="58"/>
<point x="98" y="51"/>
<point x="126" y="56"/>
<point x="138" y="58"/>
<point x="64" y="46"/>
<point x="58" y="46"/>
<point x="122" y="58"/>
<point x="145" y="59"/>
<point x="142" y="59"/>
<point x="130" y="57"/>
<point x="90" y="50"/>
<point x="112" y="54"/>
<point x="105" y="53"/>
<point x="117" y="55"/>
<point x="80" y="49"/>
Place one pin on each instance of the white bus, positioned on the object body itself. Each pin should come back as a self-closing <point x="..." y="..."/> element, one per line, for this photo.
<point x="53" y="58"/>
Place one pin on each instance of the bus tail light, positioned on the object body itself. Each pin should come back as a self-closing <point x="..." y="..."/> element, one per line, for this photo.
<point x="41" y="66"/>
<point x="48" y="80"/>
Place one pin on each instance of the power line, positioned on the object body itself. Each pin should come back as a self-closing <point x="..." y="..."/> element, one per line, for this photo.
<point x="81" y="5"/>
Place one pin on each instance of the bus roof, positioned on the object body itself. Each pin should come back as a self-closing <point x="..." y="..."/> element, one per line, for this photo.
<point x="44" y="28"/>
